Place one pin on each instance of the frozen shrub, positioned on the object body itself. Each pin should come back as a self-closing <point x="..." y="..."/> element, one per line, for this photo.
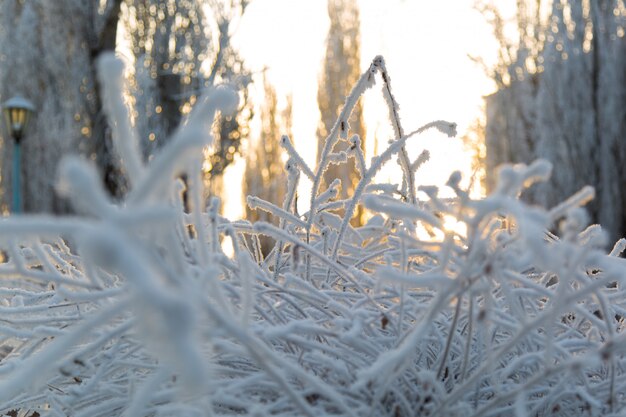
<point x="134" y="310"/>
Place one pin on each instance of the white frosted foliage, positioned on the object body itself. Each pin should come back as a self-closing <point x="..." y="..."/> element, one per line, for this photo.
<point x="133" y="308"/>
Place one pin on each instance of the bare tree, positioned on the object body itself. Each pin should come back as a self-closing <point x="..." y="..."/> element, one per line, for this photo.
<point x="181" y="48"/>
<point x="340" y="72"/>
<point x="265" y="174"/>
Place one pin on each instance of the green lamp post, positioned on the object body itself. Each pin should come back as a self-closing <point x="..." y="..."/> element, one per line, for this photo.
<point x="17" y="112"/>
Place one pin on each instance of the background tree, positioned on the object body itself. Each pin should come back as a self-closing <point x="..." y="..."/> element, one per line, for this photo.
<point x="265" y="176"/>
<point x="474" y="144"/>
<point x="48" y="52"/>
<point x="342" y="68"/>
<point x="179" y="48"/>
<point x="562" y="97"/>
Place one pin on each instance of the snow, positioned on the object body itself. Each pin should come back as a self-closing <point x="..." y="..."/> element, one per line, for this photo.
<point x="19" y="102"/>
<point x="132" y="308"/>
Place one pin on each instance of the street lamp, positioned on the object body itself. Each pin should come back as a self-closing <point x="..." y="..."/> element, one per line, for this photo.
<point x="17" y="112"/>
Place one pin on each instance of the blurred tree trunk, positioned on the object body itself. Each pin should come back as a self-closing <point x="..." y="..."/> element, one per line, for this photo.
<point x="49" y="50"/>
<point x="564" y="100"/>
<point x="341" y="71"/>
<point x="48" y="54"/>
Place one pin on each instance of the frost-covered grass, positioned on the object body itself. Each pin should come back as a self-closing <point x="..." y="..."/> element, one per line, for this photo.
<point x="133" y="309"/>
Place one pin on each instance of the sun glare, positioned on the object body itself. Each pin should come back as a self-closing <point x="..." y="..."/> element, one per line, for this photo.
<point x="454" y="225"/>
<point x="451" y="226"/>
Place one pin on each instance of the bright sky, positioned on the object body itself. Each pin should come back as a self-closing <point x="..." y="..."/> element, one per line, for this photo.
<point x="425" y="44"/>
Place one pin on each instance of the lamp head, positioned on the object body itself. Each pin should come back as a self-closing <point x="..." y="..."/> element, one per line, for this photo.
<point x="17" y="112"/>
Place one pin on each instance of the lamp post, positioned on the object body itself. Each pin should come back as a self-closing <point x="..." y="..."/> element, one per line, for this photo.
<point x="17" y="112"/>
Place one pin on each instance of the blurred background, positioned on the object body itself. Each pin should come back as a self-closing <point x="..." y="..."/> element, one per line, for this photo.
<point x="523" y="79"/>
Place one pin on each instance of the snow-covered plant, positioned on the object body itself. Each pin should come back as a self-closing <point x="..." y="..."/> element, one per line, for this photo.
<point x="133" y="309"/>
